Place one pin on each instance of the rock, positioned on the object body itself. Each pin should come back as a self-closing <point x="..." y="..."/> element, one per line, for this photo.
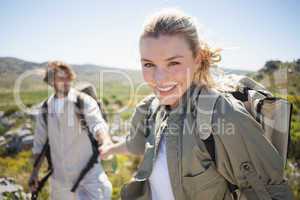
<point x="5" y="122"/>
<point x="2" y="140"/>
<point x="1" y="114"/>
<point x="10" y="134"/>
<point x="19" y="140"/>
<point x="9" y="189"/>
<point x="27" y="126"/>
<point x="23" y="132"/>
<point x="34" y="110"/>
<point x="17" y="114"/>
<point x="27" y="142"/>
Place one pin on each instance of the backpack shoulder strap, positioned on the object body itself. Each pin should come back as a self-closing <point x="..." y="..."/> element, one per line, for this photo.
<point x="206" y="106"/>
<point x="204" y="110"/>
<point x="44" y="111"/>
<point x="80" y="111"/>
<point x="151" y="112"/>
<point x="94" y="158"/>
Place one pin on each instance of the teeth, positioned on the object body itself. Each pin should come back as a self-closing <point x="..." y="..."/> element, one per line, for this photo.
<point x="165" y="89"/>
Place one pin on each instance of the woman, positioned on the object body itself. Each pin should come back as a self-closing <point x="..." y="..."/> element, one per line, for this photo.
<point x="182" y="160"/>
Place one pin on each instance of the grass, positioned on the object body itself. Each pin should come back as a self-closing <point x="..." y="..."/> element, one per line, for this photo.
<point x="8" y="102"/>
<point x="20" y="167"/>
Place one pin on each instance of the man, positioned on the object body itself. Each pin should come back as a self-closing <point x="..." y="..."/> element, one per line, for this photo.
<point x="70" y="146"/>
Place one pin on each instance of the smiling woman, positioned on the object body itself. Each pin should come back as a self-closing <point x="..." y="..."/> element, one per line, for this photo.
<point x="186" y="154"/>
<point x="172" y="56"/>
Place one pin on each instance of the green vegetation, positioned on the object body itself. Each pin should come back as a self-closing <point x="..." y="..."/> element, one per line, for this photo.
<point x="20" y="167"/>
<point x="126" y="166"/>
<point x="2" y="130"/>
<point x="28" y="98"/>
<point x="295" y="129"/>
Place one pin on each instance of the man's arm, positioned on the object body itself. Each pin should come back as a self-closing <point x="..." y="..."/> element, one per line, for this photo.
<point x="103" y="138"/>
<point x="95" y="121"/>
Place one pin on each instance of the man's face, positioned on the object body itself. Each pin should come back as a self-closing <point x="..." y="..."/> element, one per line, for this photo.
<point x="62" y="82"/>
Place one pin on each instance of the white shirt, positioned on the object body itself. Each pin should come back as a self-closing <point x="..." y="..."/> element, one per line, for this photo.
<point x="58" y="105"/>
<point x="159" y="179"/>
<point x="93" y="116"/>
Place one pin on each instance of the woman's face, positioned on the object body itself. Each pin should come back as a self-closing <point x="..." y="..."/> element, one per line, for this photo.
<point x="168" y="67"/>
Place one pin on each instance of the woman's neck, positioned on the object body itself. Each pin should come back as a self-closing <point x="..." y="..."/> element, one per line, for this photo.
<point x="185" y="95"/>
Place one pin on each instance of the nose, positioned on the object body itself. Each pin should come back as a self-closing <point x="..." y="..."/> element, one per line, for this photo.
<point x="160" y="75"/>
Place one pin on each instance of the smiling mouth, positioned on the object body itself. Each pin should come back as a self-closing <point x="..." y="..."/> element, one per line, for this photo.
<point x="166" y="88"/>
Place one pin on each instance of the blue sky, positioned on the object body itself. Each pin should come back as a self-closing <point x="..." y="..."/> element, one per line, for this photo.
<point x="106" y="32"/>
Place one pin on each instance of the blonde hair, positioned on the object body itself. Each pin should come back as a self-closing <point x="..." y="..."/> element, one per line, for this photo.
<point x="174" y="22"/>
<point x="55" y="66"/>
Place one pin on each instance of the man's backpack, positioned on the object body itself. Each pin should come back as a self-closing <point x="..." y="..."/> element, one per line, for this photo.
<point x="82" y="89"/>
<point x="273" y="113"/>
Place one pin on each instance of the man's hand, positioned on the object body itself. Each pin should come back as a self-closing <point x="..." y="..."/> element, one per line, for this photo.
<point x="105" y="143"/>
<point x="106" y="151"/>
<point x="33" y="180"/>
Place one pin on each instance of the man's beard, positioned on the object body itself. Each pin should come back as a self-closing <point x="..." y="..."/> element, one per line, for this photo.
<point x="63" y="92"/>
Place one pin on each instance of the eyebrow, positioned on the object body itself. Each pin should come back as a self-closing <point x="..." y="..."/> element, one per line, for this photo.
<point x="168" y="59"/>
<point x="174" y="57"/>
<point x="145" y="60"/>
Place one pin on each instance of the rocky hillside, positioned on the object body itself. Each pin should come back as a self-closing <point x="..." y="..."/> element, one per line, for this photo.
<point x="12" y="68"/>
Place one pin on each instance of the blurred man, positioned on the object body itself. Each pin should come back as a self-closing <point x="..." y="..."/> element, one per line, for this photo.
<point x="70" y="143"/>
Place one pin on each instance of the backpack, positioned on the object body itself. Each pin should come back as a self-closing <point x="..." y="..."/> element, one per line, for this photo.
<point x="91" y="91"/>
<point x="273" y="113"/>
<point x="87" y="89"/>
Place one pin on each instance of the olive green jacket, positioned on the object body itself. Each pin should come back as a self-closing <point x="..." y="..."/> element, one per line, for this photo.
<point x="243" y="156"/>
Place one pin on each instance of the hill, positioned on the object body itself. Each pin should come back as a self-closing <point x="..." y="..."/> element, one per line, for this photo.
<point x="13" y="68"/>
